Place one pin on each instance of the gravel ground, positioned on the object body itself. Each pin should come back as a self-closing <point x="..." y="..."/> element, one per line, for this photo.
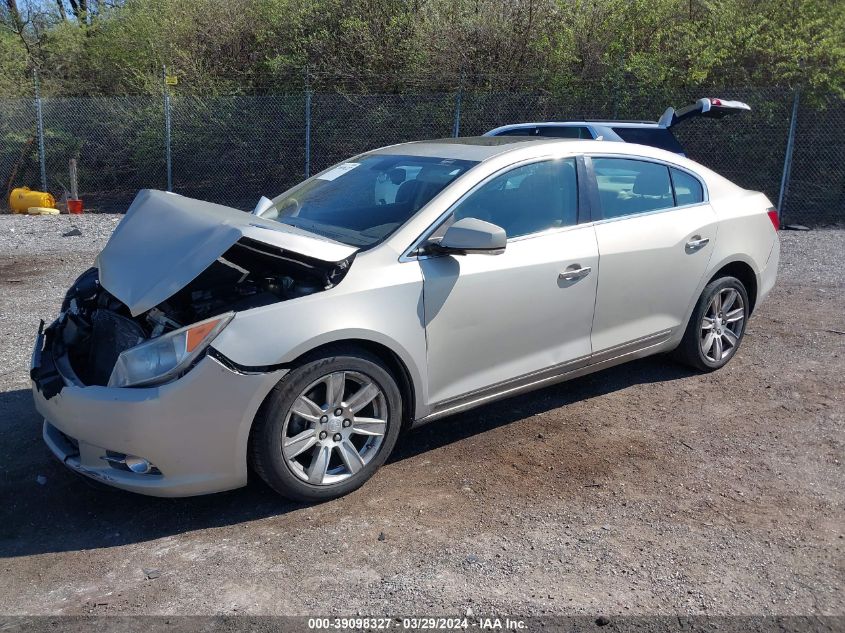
<point x="644" y="489"/>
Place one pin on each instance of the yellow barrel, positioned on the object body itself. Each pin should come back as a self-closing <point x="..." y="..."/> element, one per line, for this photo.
<point x="22" y="198"/>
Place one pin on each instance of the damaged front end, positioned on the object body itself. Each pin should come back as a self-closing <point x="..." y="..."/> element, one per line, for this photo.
<point x="97" y="340"/>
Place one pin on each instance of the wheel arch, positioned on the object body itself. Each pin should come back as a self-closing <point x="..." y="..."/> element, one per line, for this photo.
<point x="388" y="356"/>
<point x="734" y="266"/>
<point x="743" y="271"/>
<point x="394" y="362"/>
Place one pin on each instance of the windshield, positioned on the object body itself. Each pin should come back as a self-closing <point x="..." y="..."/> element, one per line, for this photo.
<point x="360" y="203"/>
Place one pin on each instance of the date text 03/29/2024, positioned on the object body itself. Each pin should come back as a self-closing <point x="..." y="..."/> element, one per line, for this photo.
<point x="416" y="624"/>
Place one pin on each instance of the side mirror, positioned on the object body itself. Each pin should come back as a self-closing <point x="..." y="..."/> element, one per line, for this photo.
<point x="471" y="235"/>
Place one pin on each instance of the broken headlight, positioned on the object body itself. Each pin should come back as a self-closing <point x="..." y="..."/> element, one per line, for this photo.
<point x="163" y="358"/>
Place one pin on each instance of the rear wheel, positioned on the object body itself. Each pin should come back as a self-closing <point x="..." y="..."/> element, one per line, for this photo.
<point x="327" y="427"/>
<point x="717" y="325"/>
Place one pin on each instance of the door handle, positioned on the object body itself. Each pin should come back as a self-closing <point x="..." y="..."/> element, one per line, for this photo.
<point x="697" y="243"/>
<point x="575" y="272"/>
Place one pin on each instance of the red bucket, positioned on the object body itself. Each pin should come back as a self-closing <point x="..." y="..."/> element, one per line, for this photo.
<point x="74" y="206"/>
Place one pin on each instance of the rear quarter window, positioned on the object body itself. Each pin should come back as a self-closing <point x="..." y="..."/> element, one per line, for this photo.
<point x="688" y="189"/>
<point x="658" y="137"/>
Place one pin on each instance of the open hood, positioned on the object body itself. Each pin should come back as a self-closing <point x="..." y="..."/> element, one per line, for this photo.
<point x="166" y="240"/>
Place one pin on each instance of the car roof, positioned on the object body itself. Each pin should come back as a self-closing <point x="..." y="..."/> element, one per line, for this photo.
<point x="476" y="148"/>
<point x="483" y="148"/>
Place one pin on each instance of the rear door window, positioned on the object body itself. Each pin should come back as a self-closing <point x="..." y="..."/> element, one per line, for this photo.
<point x="627" y="186"/>
<point x="688" y="189"/>
<point x="658" y="137"/>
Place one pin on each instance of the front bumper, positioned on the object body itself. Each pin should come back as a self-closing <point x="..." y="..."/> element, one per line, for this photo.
<point x="194" y="430"/>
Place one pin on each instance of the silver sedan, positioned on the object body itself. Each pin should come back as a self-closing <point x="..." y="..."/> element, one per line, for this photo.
<point x="399" y="287"/>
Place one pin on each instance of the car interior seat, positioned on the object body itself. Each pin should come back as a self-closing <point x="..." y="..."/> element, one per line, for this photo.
<point x="652" y="189"/>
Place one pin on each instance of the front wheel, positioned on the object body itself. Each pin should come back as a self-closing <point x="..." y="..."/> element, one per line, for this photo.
<point x="327" y="427"/>
<point x="717" y="325"/>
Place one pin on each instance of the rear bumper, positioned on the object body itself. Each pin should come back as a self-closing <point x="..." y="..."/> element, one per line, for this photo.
<point x="194" y="430"/>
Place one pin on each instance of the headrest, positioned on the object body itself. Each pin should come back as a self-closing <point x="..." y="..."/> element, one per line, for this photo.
<point x="651" y="184"/>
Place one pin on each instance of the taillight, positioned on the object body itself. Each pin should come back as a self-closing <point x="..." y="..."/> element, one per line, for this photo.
<point x="773" y="216"/>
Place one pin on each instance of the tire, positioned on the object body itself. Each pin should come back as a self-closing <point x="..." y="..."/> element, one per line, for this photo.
<point x="728" y="328"/>
<point x="325" y="466"/>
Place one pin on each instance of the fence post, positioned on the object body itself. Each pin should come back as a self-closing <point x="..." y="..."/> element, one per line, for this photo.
<point x="787" y="159"/>
<point x="456" y="127"/>
<point x="39" y="119"/>
<point x="307" y="125"/>
<point x="167" y="128"/>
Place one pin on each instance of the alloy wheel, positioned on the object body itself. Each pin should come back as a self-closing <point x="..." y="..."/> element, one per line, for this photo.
<point x="334" y="428"/>
<point x="722" y="325"/>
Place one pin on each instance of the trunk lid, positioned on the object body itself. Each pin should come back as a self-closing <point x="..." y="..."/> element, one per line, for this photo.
<point x="166" y="240"/>
<point x="706" y="108"/>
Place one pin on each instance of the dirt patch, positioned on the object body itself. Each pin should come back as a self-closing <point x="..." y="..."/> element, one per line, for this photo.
<point x="15" y="270"/>
<point x="639" y="490"/>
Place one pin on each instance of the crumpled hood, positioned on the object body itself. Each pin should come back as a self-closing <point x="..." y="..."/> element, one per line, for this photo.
<point x="166" y="240"/>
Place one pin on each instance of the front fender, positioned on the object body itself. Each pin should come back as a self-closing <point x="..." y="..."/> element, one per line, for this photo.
<point x="390" y="315"/>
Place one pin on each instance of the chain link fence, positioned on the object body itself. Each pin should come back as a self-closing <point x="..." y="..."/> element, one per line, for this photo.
<point x="18" y="144"/>
<point x="117" y="142"/>
<point x="343" y="125"/>
<point x="815" y="194"/>
<point x="234" y="149"/>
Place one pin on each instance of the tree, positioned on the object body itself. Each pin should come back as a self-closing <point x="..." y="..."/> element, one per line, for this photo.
<point x="560" y="46"/>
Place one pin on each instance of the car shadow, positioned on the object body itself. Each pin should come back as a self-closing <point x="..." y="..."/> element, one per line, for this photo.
<point x="46" y="508"/>
<point x="485" y="418"/>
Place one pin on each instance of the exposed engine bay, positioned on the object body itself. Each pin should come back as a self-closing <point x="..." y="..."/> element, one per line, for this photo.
<point x="94" y="327"/>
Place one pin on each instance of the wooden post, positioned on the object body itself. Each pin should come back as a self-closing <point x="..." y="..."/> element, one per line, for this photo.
<point x="74" y="189"/>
